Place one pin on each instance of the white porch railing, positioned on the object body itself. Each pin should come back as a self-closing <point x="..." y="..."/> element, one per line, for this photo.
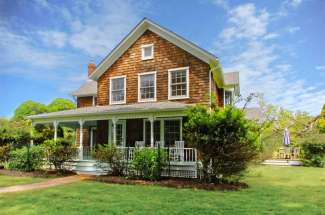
<point x="175" y="155"/>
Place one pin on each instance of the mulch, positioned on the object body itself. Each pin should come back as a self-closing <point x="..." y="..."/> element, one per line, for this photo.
<point x="39" y="173"/>
<point x="174" y="183"/>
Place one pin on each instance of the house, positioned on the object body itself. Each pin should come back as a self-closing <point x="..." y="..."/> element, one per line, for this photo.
<point x="139" y="92"/>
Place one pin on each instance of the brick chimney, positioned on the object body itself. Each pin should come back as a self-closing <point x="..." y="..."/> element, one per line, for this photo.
<point x="91" y="68"/>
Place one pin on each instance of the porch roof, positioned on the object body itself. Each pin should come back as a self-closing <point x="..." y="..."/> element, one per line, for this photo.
<point x="153" y="107"/>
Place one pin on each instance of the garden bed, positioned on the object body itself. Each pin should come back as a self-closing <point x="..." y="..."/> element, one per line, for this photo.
<point x="175" y="183"/>
<point x="39" y="173"/>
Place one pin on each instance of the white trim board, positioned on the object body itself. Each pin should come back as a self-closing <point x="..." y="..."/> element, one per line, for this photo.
<point x="144" y="25"/>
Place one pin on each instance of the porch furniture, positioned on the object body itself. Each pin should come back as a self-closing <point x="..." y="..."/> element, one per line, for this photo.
<point x="288" y="153"/>
<point x="161" y="144"/>
<point x="139" y="144"/>
<point x="179" y="145"/>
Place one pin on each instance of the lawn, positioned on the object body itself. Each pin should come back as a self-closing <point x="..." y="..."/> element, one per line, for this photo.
<point x="273" y="190"/>
<point x="16" y="180"/>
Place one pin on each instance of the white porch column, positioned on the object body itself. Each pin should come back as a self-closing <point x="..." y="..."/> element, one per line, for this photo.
<point x="114" y="121"/>
<point x="91" y="139"/>
<point x="55" y="125"/>
<point x="32" y="135"/>
<point x="81" y="137"/>
<point x="151" y="119"/>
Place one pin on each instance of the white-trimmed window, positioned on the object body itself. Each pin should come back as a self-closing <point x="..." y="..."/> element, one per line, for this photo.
<point x="147" y="52"/>
<point x="178" y="83"/>
<point x="147" y="87"/>
<point x="117" y="90"/>
<point x="228" y="96"/>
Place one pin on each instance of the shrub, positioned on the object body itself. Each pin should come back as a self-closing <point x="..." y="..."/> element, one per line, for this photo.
<point x="224" y="138"/>
<point x="148" y="163"/>
<point x="26" y="158"/>
<point x="4" y="153"/>
<point x="109" y="154"/>
<point x="313" y="152"/>
<point x="59" y="151"/>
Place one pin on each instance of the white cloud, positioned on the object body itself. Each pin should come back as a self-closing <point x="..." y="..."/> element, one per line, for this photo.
<point x="94" y="27"/>
<point x="320" y="67"/>
<point x="19" y="48"/>
<point x="271" y="36"/>
<point x="287" y="5"/>
<point x="55" y="38"/>
<point x="262" y="70"/>
<point x="245" y="23"/>
<point x="293" y="29"/>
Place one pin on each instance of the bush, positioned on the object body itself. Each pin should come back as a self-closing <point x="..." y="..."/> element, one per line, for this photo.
<point x="313" y="153"/>
<point x="4" y="153"/>
<point x="109" y="154"/>
<point x="59" y="151"/>
<point x="26" y="158"/>
<point x="225" y="140"/>
<point x="148" y="163"/>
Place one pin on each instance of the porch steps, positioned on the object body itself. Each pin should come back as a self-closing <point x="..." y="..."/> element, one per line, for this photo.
<point x="88" y="167"/>
<point x="283" y="162"/>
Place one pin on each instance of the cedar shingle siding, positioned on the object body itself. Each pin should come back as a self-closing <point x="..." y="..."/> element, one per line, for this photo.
<point x="166" y="56"/>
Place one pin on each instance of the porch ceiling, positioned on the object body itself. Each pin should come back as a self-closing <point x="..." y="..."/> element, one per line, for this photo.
<point x="122" y="111"/>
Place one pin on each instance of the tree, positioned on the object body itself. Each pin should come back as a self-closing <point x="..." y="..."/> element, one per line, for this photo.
<point x="225" y="139"/>
<point x="321" y="120"/>
<point x="60" y="104"/>
<point x="28" y="108"/>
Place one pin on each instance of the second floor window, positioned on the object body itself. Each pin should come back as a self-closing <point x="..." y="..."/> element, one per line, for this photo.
<point x="117" y="89"/>
<point x="178" y="83"/>
<point x="147" y="86"/>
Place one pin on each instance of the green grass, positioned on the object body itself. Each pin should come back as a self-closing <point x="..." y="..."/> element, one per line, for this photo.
<point x="6" y="181"/>
<point x="273" y="190"/>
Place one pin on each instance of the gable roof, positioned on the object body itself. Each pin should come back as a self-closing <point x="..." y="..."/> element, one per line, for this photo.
<point x="137" y="31"/>
<point x="89" y="88"/>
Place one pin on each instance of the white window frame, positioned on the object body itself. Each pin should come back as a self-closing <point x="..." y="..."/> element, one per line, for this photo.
<point x="143" y="57"/>
<point x="224" y="96"/>
<point x="110" y="90"/>
<point x="170" y="97"/>
<point x="139" y="85"/>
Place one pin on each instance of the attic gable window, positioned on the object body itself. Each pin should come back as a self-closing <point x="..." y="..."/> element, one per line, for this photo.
<point x="147" y="52"/>
<point x="117" y="90"/>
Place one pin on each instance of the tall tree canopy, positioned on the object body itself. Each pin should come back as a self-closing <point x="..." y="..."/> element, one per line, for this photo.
<point x="60" y="104"/>
<point x="28" y="108"/>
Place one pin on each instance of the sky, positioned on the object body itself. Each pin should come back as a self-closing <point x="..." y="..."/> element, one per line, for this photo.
<point x="277" y="46"/>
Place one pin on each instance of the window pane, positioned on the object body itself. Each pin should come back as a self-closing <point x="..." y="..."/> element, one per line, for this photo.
<point x="147" y="86"/>
<point x="178" y="83"/>
<point x="147" y="51"/>
<point x="117" y="91"/>
<point x="172" y="132"/>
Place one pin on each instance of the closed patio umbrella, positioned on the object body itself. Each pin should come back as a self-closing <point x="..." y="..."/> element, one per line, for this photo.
<point x="286" y="137"/>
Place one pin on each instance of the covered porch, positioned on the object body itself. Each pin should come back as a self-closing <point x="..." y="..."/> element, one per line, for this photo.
<point x="127" y="126"/>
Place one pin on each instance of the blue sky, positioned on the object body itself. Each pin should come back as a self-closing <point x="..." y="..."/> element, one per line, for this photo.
<point x="277" y="46"/>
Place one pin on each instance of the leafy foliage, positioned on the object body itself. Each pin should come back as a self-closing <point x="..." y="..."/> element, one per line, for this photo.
<point x="4" y="153"/>
<point x="109" y="154"/>
<point x="225" y="139"/>
<point x="321" y="120"/>
<point x="28" y="108"/>
<point x="59" y="151"/>
<point x="314" y="151"/>
<point x="60" y="104"/>
<point x="148" y="163"/>
<point x="14" y="132"/>
<point x="26" y="158"/>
